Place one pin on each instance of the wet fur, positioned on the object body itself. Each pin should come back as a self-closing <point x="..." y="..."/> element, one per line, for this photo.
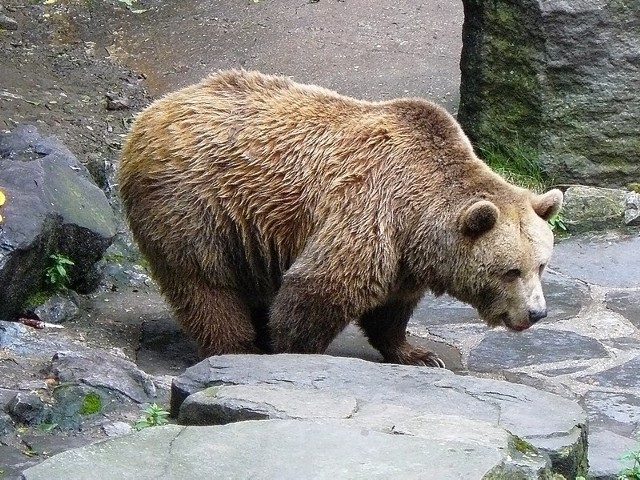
<point x="274" y="213"/>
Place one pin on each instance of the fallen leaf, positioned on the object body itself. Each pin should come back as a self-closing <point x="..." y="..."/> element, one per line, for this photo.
<point x="30" y="322"/>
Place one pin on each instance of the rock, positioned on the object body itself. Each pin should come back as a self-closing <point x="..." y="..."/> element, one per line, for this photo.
<point x="103" y="371"/>
<point x="626" y="303"/>
<point x="556" y="81"/>
<point x="622" y="376"/>
<point x="632" y="209"/>
<point x="7" y="23"/>
<point x="14" y="461"/>
<point x="565" y="296"/>
<point x="300" y="449"/>
<point x="235" y="403"/>
<point x="116" y="102"/>
<point x="74" y="404"/>
<point x="119" y="275"/>
<point x="26" y="408"/>
<point x="23" y="341"/>
<point x="57" y="309"/>
<point x="605" y="452"/>
<point x="117" y="429"/>
<point x="593" y="208"/>
<point x="86" y="381"/>
<point x="52" y="207"/>
<point x="6" y="424"/>
<point x="550" y="423"/>
<point x="619" y="412"/>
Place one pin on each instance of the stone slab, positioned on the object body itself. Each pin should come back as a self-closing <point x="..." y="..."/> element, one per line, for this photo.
<point x="588" y="209"/>
<point x="626" y="375"/>
<point x="605" y="452"/>
<point x="626" y="303"/>
<point x="503" y="350"/>
<point x="618" y="412"/>
<point x="606" y="260"/>
<point x="234" y="403"/>
<point x="543" y="419"/>
<point x="565" y="296"/>
<point x="293" y="449"/>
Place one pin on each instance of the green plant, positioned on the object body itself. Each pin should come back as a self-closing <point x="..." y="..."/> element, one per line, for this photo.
<point x="154" y="416"/>
<point x="557" y="223"/>
<point x="633" y="472"/>
<point x="517" y="164"/>
<point x="56" y="273"/>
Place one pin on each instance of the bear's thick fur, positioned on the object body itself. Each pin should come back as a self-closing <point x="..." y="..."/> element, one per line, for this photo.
<point x="274" y="213"/>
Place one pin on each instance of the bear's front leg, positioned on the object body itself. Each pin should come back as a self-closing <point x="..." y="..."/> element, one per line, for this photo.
<point x="304" y="319"/>
<point x="386" y="326"/>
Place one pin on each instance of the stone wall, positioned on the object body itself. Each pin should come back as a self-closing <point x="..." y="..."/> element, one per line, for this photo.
<point x="557" y="80"/>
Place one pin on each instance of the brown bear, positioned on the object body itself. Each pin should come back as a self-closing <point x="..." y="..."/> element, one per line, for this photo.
<point x="273" y="214"/>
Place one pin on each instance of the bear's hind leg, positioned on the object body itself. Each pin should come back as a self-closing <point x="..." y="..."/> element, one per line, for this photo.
<point x="385" y="327"/>
<point x="218" y="319"/>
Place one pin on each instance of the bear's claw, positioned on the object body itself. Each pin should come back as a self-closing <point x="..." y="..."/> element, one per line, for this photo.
<point x="434" y="362"/>
<point x="410" y="355"/>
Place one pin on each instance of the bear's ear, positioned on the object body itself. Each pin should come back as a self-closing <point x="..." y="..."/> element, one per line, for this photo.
<point x="548" y="204"/>
<point x="478" y="218"/>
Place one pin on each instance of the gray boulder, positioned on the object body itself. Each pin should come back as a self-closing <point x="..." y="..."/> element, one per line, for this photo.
<point x="387" y="397"/>
<point x="557" y="80"/>
<point x="52" y="206"/>
<point x="593" y="208"/>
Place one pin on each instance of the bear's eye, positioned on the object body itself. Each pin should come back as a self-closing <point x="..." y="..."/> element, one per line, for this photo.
<point x="512" y="275"/>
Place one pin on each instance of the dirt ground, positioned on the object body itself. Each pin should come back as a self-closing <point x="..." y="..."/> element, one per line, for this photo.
<point x="55" y="79"/>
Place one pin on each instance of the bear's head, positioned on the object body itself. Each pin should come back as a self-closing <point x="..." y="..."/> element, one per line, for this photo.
<point x="506" y="251"/>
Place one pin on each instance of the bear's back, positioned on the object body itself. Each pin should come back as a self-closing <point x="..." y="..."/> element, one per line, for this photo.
<point x="236" y="173"/>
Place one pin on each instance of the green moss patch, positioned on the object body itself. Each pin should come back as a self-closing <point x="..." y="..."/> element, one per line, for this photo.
<point x="91" y="404"/>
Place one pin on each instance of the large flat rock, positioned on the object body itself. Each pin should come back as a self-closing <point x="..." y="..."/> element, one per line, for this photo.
<point x="292" y="449"/>
<point x="384" y="393"/>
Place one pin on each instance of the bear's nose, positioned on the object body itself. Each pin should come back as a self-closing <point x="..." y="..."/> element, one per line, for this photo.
<point x="535" y="315"/>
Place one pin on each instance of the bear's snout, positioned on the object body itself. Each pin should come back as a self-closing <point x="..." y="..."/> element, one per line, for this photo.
<point x="535" y="315"/>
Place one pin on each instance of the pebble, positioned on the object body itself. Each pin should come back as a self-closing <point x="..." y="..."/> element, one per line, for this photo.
<point x="7" y="22"/>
